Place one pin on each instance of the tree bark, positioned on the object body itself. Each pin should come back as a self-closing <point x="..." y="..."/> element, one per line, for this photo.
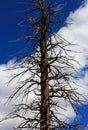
<point x="45" y="105"/>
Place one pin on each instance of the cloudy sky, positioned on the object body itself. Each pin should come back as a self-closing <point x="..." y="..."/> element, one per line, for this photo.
<point x="75" y="32"/>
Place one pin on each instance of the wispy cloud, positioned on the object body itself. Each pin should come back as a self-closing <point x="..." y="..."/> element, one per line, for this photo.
<point x="76" y="32"/>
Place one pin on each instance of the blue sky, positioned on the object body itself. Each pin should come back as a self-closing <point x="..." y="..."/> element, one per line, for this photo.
<point x="9" y="29"/>
<point x="10" y="16"/>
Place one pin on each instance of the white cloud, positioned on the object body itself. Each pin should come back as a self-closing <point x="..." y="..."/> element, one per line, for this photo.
<point x="4" y="92"/>
<point x="7" y="90"/>
<point x="77" y="32"/>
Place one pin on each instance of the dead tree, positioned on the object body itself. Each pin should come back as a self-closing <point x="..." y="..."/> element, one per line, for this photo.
<point x="46" y="74"/>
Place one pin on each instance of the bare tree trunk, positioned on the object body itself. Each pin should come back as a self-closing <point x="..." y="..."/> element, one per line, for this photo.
<point x="45" y="105"/>
<point x="44" y="110"/>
